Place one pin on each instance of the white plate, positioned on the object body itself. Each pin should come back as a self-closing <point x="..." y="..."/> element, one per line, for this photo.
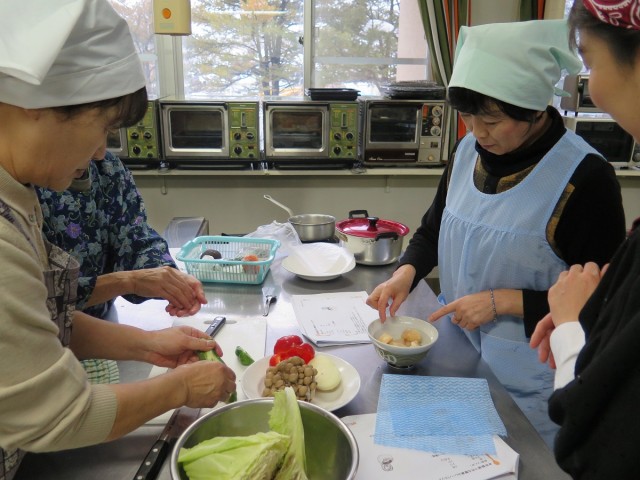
<point x="253" y="383"/>
<point x="289" y="265"/>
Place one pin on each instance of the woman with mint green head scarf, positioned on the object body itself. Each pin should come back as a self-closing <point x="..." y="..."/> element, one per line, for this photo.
<point x="520" y="199"/>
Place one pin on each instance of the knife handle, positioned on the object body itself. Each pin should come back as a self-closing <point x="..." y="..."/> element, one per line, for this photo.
<point x="216" y="324"/>
<point x="153" y="461"/>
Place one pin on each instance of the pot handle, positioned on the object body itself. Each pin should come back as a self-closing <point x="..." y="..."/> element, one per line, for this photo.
<point x="392" y="235"/>
<point x="353" y="213"/>
<point x="289" y="211"/>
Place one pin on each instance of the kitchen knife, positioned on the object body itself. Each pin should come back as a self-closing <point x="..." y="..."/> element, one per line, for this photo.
<point x="178" y="423"/>
<point x="270" y="296"/>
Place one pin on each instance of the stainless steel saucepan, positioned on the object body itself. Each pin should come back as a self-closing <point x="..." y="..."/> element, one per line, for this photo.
<point x="311" y="227"/>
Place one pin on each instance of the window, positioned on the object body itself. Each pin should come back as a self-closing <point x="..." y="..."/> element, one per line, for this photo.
<point x="366" y="44"/>
<point x="258" y="48"/>
<point x="139" y="15"/>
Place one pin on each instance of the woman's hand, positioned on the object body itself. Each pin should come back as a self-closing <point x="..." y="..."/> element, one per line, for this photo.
<point x="184" y="293"/>
<point x="470" y="311"/>
<point x="176" y="346"/>
<point x="572" y="290"/>
<point x="396" y="289"/>
<point x="541" y="339"/>
<point x="566" y="299"/>
<point x="207" y="383"/>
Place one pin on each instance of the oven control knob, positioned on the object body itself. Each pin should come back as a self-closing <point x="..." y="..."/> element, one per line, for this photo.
<point x="237" y="149"/>
<point x="147" y="135"/>
<point x="349" y="136"/>
<point x="436" y="121"/>
<point x="435" y="131"/>
<point x="436" y="111"/>
<point x="250" y="136"/>
<point x="136" y="149"/>
<point x="337" y="136"/>
<point x="135" y="135"/>
<point x="337" y="150"/>
<point x="237" y="136"/>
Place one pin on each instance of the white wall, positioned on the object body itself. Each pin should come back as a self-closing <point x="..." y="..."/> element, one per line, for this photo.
<point x="235" y="204"/>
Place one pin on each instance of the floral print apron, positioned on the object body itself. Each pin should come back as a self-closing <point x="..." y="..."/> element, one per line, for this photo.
<point x="61" y="280"/>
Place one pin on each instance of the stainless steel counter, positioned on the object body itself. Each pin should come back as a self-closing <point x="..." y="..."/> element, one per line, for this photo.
<point x="452" y="356"/>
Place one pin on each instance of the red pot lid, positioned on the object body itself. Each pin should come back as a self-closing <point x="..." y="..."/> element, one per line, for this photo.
<point x="370" y="227"/>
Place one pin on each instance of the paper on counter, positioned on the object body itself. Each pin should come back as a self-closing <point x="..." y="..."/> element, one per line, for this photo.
<point x="378" y="461"/>
<point x="437" y="414"/>
<point x="334" y="318"/>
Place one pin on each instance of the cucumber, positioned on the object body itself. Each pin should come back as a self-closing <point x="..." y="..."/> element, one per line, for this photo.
<point x="212" y="356"/>
<point x="243" y="356"/>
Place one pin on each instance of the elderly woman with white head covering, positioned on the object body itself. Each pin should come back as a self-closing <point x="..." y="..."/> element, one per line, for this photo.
<point x="68" y="74"/>
<point x="520" y="200"/>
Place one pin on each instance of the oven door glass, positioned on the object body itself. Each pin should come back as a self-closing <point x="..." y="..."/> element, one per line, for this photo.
<point x="609" y="139"/>
<point x="196" y="129"/>
<point x="116" y="142"/>
<point x="395" y="124"/>
<point x="297" y="130"/>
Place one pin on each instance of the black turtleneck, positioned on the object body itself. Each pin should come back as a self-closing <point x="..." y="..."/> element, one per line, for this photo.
<point x="590" y="227"/>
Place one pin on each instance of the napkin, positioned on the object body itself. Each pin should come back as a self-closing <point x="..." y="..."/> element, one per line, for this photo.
<point x="379" y="461"/>
<point x="320" y="259"/>
<point x="437" y="414"/>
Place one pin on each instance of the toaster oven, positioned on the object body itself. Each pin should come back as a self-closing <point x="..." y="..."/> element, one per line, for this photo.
<point x="577" y="86"/>
<point x="401" y="132"/>
<point x="139" y="144"/>
<point x="308" y="132"/>
<point x="210" y="132"/>
<point x="606" y="136"/>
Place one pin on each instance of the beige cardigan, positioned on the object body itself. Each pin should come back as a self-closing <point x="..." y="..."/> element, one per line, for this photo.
<point x="46" y="402"/>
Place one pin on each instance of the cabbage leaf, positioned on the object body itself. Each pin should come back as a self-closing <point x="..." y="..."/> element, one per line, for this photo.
<point x="253" y="457"/>
<point x="275" y="455"/>
<point x="285" y="418"/>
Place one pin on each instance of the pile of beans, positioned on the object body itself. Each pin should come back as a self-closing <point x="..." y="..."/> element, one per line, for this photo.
<point x="292" y="372"/>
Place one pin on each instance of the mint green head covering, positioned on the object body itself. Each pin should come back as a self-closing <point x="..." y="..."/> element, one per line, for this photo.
<point x="518" y="63"/>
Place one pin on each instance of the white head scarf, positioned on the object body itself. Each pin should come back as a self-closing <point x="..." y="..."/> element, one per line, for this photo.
<point x="65" y="52"/>
<point x="518" y="63"/>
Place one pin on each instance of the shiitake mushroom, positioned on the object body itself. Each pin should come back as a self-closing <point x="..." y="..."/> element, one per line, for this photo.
<point x="211" y="253"/>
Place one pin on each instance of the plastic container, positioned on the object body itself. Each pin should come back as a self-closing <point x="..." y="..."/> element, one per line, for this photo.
<point x="232" y="266"/>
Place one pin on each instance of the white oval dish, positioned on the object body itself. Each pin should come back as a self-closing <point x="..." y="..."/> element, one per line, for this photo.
<point x="319" y="262"/>
<point x="253" y="383"/>
<point x="293" y="268"/>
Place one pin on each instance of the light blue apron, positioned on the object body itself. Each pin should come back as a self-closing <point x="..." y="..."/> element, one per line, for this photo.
<point x="499" y="241"/>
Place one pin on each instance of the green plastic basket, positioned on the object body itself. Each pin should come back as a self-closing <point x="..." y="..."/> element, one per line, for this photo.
<point x="231" y="268"/>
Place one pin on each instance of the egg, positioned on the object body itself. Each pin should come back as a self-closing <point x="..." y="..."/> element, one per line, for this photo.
<point x="328" y="376"/>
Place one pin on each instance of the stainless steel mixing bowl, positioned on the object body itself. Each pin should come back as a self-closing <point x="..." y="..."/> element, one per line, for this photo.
<point x="331" y="448"/>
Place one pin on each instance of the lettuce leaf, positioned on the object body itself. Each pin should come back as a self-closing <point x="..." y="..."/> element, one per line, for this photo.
<point x="285" y="418"/>
<point x="253" y="457"/>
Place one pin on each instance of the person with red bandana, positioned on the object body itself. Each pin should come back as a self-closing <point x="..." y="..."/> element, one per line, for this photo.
<point x="592" y="333"/>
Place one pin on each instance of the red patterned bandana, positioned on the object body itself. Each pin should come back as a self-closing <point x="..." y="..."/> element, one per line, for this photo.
<point x="619" y="13"/>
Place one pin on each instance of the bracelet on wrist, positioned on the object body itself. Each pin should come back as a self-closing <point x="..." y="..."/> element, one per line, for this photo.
<point x="493" y="306"/>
